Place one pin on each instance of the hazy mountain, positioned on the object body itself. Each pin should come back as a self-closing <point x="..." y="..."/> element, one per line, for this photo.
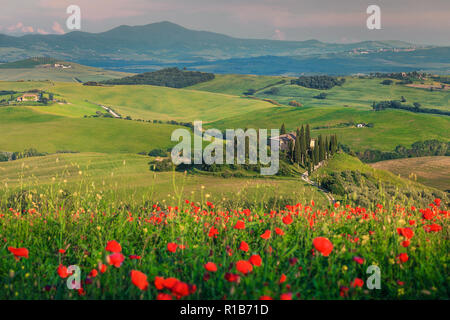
<point x="163" y="44"/>
<point x="165" y="41"/>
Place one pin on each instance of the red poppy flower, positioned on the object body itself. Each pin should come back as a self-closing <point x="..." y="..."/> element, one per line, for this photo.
<point x="115" y="259"/>
<point x="180" y="289"/>
<point x="159" y="283"/>
<point x="343" y="291"/>
<point x="211" y="267"/>
<point x="323" y="245"/>
<point x="357" y="282"/>
<point x="286" y="296"/>
<point x="239" y="225"/>
<point x="266" y="235"/>
<point x="279" y="232"/>
<point x="62" y="271"/>
<point x="163" y="296"/>
<point x="19" y="252"/>
<point x="113" y="246"/>
<point x="403" y="257"/>
<point x="231" y="277"/>
<point x="408" y="233"/>
<point x="282" y="278"/>
<point x="287" y="219"/>
<point x="358" y="260"/>
<point x="244" y="266"/>
<point x="62" y="251"/>
<point x="169" y="283"/>
<point x="432" y="228"/>
<point x="102" y="267"/>
<point x="255" y="260"/>
<point x="93" y="273"/>
<point x="134" y="257"/>
<point x="265" y="298"/>
<point x="172" y="247"/>
<point x="213" y="232"/>
<point x="139" y="279"/>
<point x="243" y="246"/>
<point x="406" y="243"/>
<point x="437" y="202"/>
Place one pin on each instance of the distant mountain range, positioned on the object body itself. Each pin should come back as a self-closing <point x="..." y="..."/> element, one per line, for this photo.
<point x="152" y="46"/>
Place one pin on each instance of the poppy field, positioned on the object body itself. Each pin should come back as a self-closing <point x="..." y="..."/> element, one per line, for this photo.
<point x="199" y="250"/>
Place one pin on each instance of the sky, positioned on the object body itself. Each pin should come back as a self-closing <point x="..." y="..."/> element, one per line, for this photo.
<point x="342" y="21"/>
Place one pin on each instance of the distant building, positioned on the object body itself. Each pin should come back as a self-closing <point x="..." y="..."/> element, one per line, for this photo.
<point x="285" y="138"/>
<point x="28" y="97"/>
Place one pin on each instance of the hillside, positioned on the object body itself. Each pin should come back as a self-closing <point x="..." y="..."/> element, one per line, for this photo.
<point x="430" y="171"/>
<point x="54" y="70"/>
<point x="169" y="77"/>
<point x="350" y="179"/>
<point x="165" y="44"/>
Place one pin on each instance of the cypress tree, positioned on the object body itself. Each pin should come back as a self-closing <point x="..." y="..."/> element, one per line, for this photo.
<point x="302" y="145"/>
<point x="297" y="148"/>
<point x="316" y="154"/>
<point x="327" y="148"/>
<point x="308" y="137"/>
<point x="320" y="148"/>
<point x="283" y="129"/>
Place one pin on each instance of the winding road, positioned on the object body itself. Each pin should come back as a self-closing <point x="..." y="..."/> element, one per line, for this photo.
<point x="305" y="177"/>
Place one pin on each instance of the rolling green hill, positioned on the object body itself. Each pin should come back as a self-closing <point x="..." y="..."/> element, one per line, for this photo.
<point x="218" y="104"/>
<point x="126" y="177"/>
<point x="25" y="127"/>
<point x="44" y="69"/>
<point x="350" y="179"/>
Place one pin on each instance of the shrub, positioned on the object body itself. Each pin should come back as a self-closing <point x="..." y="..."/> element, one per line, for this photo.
<point x="294" y="103"/>
<point x="157" y="153"/>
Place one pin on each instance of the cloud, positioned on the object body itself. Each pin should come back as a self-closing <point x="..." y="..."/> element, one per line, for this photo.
<point x="57" y="28"/>
<point x="20" y="27"/>
<point x="15" y="27"/>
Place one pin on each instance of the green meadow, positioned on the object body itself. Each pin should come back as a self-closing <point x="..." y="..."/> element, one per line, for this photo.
<point x="126" y="178"/>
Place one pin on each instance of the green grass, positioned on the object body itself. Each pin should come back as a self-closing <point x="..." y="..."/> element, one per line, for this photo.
<point x="152" y="102"/>
<point x="236" y="84"/>
<point x="82" y="214"/>
<point x="129" y="178"/>
<point x="23" y="127"/>
<point x="31" y="70"/>
<point x="391" y="127"/>
<point x="360" y="93"/>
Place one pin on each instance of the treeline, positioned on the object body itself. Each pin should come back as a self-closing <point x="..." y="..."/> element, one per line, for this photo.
<point x="169" y="77"/>
<point x="418" y="149"/>
<point x="414" y="75"/>
<point x="303" y="153"/>
<point x="318" y="82"/>
<point x="27" y="153"/>
<point x="441" y="79"/>
<point x="416" y="107"/>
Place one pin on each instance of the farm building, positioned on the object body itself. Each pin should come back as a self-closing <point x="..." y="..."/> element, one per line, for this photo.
<point x="28" y="97"/>
<point x="285" y="138"/>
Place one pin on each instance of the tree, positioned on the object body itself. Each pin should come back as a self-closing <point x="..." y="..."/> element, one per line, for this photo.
<point x="308" y="137"/>
<point x="302" y="145"/>
<point x="283" y="129"/>
<point x="297" y="148"/>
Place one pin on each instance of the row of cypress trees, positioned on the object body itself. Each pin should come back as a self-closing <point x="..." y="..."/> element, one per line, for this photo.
<point x="301" y="152"/>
